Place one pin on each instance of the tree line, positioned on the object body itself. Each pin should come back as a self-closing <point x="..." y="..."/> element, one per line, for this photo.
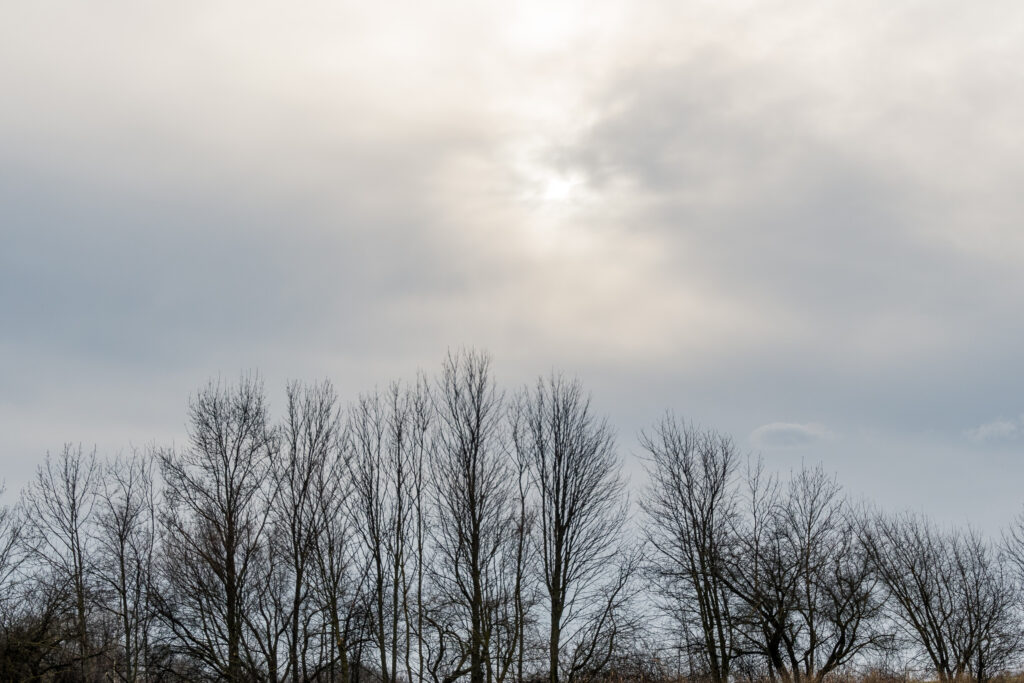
<point x="446" y="530"/>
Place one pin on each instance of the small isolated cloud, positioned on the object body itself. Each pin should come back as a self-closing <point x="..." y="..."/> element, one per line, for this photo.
<point x="789" y="435"/>
<point x="997" y="430"/>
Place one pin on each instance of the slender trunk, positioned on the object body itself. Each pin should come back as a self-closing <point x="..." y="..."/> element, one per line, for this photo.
<point x="476" y="659"/>
<point x="122" y="588"/>
<point x="419" y="595"/>
<point x="381" y="631"/>
<point x="293" y="650"/>
<point x="408" y="627"/>
<point x="556" y="594"/>
<point x="520" y="625"/>
<point x="231" y="612"/>
<point x="395" y="593"/>
<point x="554" y="642"/>
<point x="82" y="624"/>
<point x="340" y="644"/>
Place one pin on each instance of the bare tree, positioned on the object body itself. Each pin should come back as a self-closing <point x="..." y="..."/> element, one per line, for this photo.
<point x="12" y="554"/>
<point x="472" y="492"/>
<point x="11" y="551"/>
<point x="949" y="592"/>
<point x="990" y="604"/>
<point x="217" y="496"/>
<point x="389" y="443"/>
<point x="421" y="414"/>
<point x="59" y="507"/>
<point x="310" y="445"/>
<point x="571" y="457"/>
<point x="339" y="577"/>
<point x="404" y="444"/>
<point x="526" y="589"/>
<point x="515" y="589"/>
<point x="691" y="507"/>
<point x="806" y="582"/>
<point x="126" y="541"/>
<point x="379" y="506"/>
<point x="1013" y="545"/>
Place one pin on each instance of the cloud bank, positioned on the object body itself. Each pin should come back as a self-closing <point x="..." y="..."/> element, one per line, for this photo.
<point x="729" y="210"/>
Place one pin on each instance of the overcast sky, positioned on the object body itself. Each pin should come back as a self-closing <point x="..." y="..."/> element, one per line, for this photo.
<point x="797" y="222"/>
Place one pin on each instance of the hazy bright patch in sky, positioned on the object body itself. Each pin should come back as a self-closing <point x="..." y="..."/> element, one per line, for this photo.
<point x="793" y="221"/>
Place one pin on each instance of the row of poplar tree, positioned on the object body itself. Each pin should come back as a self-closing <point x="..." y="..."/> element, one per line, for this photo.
<point x="445" y="530"/>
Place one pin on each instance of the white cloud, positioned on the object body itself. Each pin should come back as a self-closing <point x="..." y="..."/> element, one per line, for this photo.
<point x="789" y="435"/>
<point x="997" y="430"/>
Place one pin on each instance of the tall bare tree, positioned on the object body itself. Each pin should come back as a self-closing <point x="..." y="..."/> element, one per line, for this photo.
<point x="217" y="495"/>
<point x="421" y="416"/>
<point x="691" y="507"/>
<point x="339" y="576"/>
<point x="388" y="438"/>
<point x="310" y="446"/>
<point x="581" y="507"/>
<point x="376" y="505"/>
<point x="526" y="588"/>
<point x="59" y="509"/>
<point x="472" y="493"/>
<point x="126" y="544"/>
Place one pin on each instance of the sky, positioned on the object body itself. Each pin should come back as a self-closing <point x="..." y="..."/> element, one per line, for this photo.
<point x="794" y="222"/>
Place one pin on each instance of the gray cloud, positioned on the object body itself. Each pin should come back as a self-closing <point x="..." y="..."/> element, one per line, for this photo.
<point x="789" y="435"/>
<point x="785" y="210"/>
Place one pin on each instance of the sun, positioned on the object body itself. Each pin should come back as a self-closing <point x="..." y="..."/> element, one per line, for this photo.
<point x="558" y="189"/>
